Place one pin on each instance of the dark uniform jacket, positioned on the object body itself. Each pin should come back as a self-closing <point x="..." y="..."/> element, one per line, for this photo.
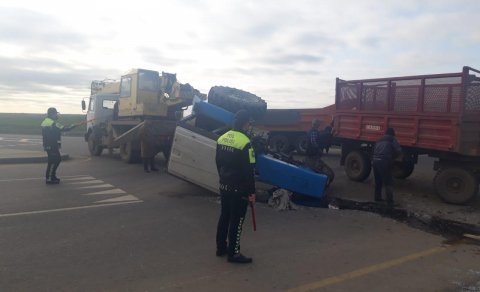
<point x="235" y="161"/>
<point x="51" y="133"/>
<point x="387" y="149"/>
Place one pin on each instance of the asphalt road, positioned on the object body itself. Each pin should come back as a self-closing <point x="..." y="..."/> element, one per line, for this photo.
<point x="111" y="227"/>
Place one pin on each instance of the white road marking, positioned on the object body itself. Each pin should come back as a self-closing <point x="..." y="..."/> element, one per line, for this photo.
<point x="119" y="199"/>
<point x="98" y="186"/>
<point x="67" y="209"/>
<point x="79" y="178"/>
<point x="107" y="192"/>
<point x="34" y="178"/>
<point x="96" y="181"/>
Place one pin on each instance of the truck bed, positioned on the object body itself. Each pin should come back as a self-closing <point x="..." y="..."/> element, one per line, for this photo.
<point x="431" y="112"/>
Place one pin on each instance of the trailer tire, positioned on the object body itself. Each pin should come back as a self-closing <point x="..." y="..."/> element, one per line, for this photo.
<point x="403" y="169"/>
<point x="94" y="145"/>
<point x="233" y="100"/>
<point x="357" y="165"/>
<point x="301" y="144"/>
<point x="456" y="185"/>
<point x="129" y="154"/>
<point x="279" y="143"/>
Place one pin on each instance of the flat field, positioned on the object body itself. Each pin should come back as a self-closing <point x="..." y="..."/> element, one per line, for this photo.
<point x="13" y="123"/>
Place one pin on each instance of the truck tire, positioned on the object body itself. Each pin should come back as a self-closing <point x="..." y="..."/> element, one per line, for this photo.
<point x="301" y="144"/>
<point x="94" y="145"/>
<point x="357" y="165"/>
<point x="129" y="154"/>
<point x="403" y="169"/>
<point x="279" y="143"/>
<point x="455" y="185"/>
<point x="233" y="100"/>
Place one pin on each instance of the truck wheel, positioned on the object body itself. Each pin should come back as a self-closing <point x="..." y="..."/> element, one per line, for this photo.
<point x="94" y="145"/>
<point x="403" y="169"/>
<point x="128" y="154"/>
<point x="301" y="144"/>
<point x="357" y="165"/>
<point x="279" y="143"/>
<point x="456" y="185"/>
<point x="233" y="100"/>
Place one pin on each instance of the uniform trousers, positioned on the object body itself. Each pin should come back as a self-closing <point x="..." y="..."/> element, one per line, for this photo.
<point x="53" y="162"/>
<point x="232" y="216"/>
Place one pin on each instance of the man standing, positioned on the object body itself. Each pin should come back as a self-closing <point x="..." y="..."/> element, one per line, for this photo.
<point x="316" y="142"/>
<point x="51" y="132"/>
<point x="235" y="161"/>
<point x="384" y="153"/>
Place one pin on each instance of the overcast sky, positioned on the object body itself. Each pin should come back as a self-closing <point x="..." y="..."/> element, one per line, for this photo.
<point x="287" y="52"/>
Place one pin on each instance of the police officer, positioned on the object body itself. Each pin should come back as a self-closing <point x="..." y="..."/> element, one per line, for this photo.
<point x="235" y="161"/>
<point x="384" y="153"/>
<point x="51" y="132"/>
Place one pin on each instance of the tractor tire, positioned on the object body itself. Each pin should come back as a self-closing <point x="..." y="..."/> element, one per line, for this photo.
<point x="279" y="143"/>
<point x="357" y="165"/>
<point x="233" y="100"/>
<point x="94" y="145"/>
<point x="128" y="154"/>
<point x="403" y="169"/>
<point x="301" y="144"/>
<point x="456" y="185"/>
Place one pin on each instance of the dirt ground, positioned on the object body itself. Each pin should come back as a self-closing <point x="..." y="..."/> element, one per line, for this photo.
<point x="415" y="194"/>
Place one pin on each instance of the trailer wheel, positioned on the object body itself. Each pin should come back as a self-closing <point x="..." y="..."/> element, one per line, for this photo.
<point x="403" y="169"/>
<point x="129" y="154"/>
<point x="357" y="165"/>
<point x="456" y="185"/>
<point x="94" y="145"/>
<point x="279" y="143"/>
<point x="301" y="144"/>
<point x="233" y="100"/>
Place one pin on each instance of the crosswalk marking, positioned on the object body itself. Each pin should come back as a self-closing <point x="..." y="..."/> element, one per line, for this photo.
<point x="79" y="178"/>
<point x="95" y="181"/>
<point x="98" y="186"/>
<point x="107" y="192"/>
<point x="119" y="199"/>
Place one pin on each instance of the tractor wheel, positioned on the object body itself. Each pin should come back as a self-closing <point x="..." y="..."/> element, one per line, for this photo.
<point x="94" y="145"/>
<point x="233" y="100"/>
<point x="455" y="185"/>
<point x="403" y="169"/>
<point x="279" y="143"/>
<point x="357" y="165"/>
<point x="301" y="144"/>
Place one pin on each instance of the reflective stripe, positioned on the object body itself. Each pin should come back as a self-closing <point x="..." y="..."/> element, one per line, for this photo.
<point x="234" y="139"/>
<point x="251" y="155"/>
<point x="48" y="122"/>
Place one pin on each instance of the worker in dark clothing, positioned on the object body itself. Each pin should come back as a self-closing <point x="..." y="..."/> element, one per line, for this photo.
<point x="148" y="146"/>
<point x="51" y="132"/>
<point x="235" y="161"/>
<point x="316" y="142"/>
<point x="384" y="153"/>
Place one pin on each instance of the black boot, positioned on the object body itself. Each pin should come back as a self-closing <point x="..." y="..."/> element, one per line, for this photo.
<point x="239" y="259"/>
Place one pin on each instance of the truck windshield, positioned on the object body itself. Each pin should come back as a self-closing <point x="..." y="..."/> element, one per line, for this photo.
<point x="148" y="81"/>
<point x="108" y="104"/>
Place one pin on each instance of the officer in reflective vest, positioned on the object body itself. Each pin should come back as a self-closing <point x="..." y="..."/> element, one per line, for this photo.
<point x="51" y="132"/>
<point x="235" y="161"/>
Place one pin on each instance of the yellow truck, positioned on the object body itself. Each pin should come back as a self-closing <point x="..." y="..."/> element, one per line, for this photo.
<point x="117" y="111"/>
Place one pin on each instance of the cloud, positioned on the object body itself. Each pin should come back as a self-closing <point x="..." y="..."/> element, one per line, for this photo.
<point x="36" y="31"/>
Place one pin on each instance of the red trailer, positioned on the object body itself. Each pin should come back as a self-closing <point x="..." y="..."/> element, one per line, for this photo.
<point x="436" y="115"/>
<point x="288" y="127"/>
